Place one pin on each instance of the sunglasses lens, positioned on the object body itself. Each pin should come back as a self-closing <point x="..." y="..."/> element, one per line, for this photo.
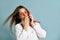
<point x="22" y="14"/>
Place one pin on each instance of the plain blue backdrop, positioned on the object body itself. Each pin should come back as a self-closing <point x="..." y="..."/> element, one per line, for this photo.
<point x="45" y="11"/>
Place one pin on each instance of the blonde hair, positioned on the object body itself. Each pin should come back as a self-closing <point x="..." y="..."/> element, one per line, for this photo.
<point x="14" y="17"/>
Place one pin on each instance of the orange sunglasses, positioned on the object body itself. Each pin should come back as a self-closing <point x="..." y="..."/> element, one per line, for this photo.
<point x="22" y="14"/>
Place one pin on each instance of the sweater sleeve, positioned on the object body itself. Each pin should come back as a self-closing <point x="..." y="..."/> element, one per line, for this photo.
<point x="41" y="33"/>
<point x="18" y="30"/>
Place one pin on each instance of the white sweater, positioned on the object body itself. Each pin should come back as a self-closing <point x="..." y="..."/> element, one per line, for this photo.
<point x="31" y="33"/>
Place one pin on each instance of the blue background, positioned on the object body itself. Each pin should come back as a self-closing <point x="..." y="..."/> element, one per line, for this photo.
<point x="45" y="11"/>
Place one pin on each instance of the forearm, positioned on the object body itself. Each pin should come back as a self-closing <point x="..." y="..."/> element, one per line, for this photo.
<point x="40" y="31"/>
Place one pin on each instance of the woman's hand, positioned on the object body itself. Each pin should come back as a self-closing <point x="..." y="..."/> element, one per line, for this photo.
<point x="32" y="20"/>
<point x="26" y="22"/>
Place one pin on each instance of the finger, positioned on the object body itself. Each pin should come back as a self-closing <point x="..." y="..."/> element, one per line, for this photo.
<point x="31" y="16"/>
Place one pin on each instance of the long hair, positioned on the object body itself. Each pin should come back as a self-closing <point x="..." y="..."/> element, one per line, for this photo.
<point x="14" y="17"/>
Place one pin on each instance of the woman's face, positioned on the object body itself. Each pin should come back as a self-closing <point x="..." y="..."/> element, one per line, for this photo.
<point x="23" y="13"/>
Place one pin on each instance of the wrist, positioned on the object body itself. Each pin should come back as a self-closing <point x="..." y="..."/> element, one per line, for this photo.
<point x="32" y="23"/>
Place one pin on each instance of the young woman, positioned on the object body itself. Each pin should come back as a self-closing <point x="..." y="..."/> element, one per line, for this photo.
<point x="26" y="28"/>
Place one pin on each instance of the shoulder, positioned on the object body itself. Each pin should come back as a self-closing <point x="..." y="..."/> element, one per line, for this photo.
<point x="18" y="25"/>
<point x="37" y="25"/>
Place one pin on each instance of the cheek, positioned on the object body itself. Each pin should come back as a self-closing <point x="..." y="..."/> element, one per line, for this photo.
<point x="21" y="16"/>
<point x="27" y="13"/>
